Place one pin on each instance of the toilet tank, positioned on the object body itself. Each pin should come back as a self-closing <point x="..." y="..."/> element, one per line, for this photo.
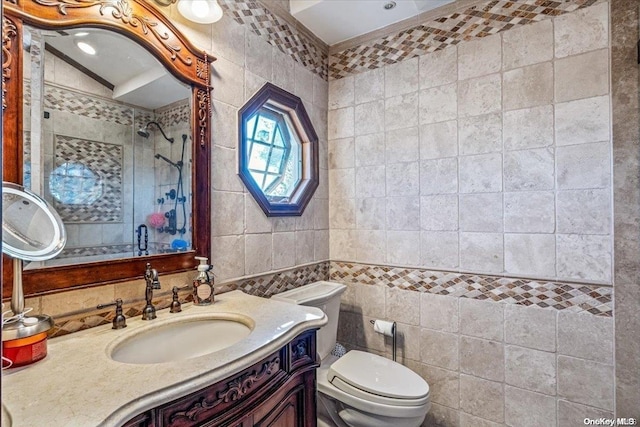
<point x="325" y="296"/>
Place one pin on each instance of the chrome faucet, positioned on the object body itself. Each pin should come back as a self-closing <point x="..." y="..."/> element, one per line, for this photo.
<point x="151" y="277"/>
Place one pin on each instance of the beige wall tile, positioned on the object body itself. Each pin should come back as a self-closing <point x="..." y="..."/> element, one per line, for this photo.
<point x="481" y="95"/>
<point x="371" y="246"/>
<point x="341" y="123"/>
<point x="369" y="86"/>
<point x="480" y="57"/>
<point x="341" y="153"/>
<point x="342" y="183"/>
<point x="529" y="212"/>
<point x="467" y="420"/>
<point x="224" y="177"/>
<point x="439" y="212"/>
<point x="258" y="251"/>
<point x="439" y="349"/>
<point x="342" y="244"/>
<point x="439" y="249"/>
<point x="304" y="246"/>
<point x="408" y="351"/>
<point x="529" y="369"/>
<point x="439" y="68"/>
<point x="370" y="150"/>
<point x="402" y="145"/>
<point x="481" y="173"/>
<point x="401" y="78"/>
<point x="528" y="44"/>
<point x="584" y="211"/>
<point x="480" y="134"/>
<point x="438" y="104"/>
<point x="584" y="30"/>
<point x="586" y="382"/>
<point x="225" y="133"/>
<point x="583" y="257"/>
<point x="403" y="248"/>
<point x="228" y="218"/>
<point x="285" y="77"/>
<point x="481" y="252"/>
<point x="529" y="170"/>
<point x="342" y="213"/>
<point x="584" y="166"/>
<point x="304" y="82"/>
<point x="65" y="303"/>
<point x="528" y="128"/>
<point x="482" y="319"/>
<point x="403" y="306"/>
<point x="481" y="212"/>
<point x="255" y="219"/>
<point x="439" y="312"/>
<point x="341" y="93"/>
<point x="582" y="121"/>
<point x="531" y="255"/>
<point x="585" y="336"/>
<point x="284" y="245"/>
<point x="482" y="398"/>
<point x="439" y="176"/>
<point x="371" y="299"/>
<point x="438" y="140"/>
<point x="528" y="409"/>
<point x="582" y="76"/>
<point x="481" y="358"/>
<point x="228" y="256"/>
<point x="403" y="213"/>
<point x="228" y="79"/>
<point x="444" y="385"/>
<point x="258" y="57"/>
<point x="401" y="111"/>
<point x="403" y="179"/>
<point x="371" y="213"/>
<point x="530" y="327"/>
<point x="370" y="181"/>
<point x="369" y="117"/>
<point x="321" y="245"/>
<point x="529" y="86"/>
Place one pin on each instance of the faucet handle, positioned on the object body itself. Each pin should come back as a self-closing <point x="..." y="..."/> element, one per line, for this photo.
<point x="176" y="307"/>
<point x="119" y="321"/>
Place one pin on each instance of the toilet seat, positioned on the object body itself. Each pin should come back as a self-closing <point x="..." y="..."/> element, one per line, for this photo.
<point x="376" y="379"/>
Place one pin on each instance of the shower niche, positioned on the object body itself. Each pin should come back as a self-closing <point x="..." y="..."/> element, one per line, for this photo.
<point x="107" y="140"/>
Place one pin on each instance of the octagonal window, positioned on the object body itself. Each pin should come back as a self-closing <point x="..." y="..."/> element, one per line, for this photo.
<point x="278" y="155"/>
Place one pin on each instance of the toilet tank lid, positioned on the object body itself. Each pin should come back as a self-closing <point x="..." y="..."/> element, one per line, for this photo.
<point x="316" y="292"/>
<point x="378" y="375"/>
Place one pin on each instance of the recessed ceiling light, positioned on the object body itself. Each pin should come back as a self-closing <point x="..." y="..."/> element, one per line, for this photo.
<point x="389" y="5"/>
<point x="81" y="34"/>
<point x="86" y="48"/>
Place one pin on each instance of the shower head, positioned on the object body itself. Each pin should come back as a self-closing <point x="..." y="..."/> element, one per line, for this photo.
<point x="144" y="132"/>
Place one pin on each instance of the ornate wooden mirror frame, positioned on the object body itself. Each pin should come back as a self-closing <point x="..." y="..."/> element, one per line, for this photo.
<point x="141" y="22"/>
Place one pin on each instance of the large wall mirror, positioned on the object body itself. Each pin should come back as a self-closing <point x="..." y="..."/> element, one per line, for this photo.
<point x="107" y="117"/>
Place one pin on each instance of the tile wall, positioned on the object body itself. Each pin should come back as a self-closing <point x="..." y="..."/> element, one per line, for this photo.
<point x="246" y="242"/>
<point x="490" y="157"/>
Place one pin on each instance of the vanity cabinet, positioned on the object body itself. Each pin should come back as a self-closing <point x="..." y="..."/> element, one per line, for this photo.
<point x="278" y="391"/>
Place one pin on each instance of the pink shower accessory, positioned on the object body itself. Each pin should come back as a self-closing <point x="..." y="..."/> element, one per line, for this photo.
<point x="156" y="220"/>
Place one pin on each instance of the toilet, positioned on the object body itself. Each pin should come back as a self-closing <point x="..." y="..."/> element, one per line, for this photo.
<point x="358" y="389"/>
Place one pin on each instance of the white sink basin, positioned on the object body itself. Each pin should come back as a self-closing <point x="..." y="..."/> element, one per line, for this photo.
<point x="180" y="339"/>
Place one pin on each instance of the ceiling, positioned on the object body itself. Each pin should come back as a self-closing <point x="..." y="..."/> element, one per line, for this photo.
<point x="335" y="21"/>
<point x="138" y="78"/>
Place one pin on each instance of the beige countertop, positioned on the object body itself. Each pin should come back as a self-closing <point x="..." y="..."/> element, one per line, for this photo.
<point x="78" y="384"/>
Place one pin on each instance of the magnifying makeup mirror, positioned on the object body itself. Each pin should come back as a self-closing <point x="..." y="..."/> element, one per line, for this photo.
<point x="31" y="231"/>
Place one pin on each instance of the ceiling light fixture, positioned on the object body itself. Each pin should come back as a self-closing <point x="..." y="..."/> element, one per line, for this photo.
<point x="200" y="11"/>
<point x="390" y="5"/>
<point x="86" y="48"/>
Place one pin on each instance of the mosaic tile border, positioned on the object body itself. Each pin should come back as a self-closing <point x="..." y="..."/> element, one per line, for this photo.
<point x="478" y="21"/>
<point x="81" y="104"/>
<point x="279" y="33"/>
<point x="263" y="286"/>
<point x="573" y="297"/>
<point x="173" y="115"/>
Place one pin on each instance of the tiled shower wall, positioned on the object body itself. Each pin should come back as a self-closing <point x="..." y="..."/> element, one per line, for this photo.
<point x="490" y="157"/>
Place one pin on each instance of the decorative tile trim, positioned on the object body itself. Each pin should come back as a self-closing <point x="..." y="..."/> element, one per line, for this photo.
<point x="475" y="22"/>
<point x="104" y="160"/>
<point x="81" y="104"/>
<point x="279" y="33"/>
<point x="262" y="286"/>
<point x="175" y="114"/>
<point x="574" y="297"/>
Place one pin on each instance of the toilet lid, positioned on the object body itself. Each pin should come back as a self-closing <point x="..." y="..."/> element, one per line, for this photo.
<point x="366" y="373"/>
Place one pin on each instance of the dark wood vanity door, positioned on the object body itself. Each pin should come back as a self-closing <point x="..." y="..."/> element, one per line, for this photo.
<point x="278" y="391"/>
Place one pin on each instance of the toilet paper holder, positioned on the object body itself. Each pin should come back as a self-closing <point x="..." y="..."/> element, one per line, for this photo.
<point x="387" y="329"/>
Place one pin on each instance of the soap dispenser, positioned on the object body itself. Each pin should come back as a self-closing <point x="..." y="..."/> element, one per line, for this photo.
<point x="203" y="283"/>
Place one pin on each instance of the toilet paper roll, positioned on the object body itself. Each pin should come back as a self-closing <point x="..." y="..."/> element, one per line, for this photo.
<point x="383" y="327"/>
